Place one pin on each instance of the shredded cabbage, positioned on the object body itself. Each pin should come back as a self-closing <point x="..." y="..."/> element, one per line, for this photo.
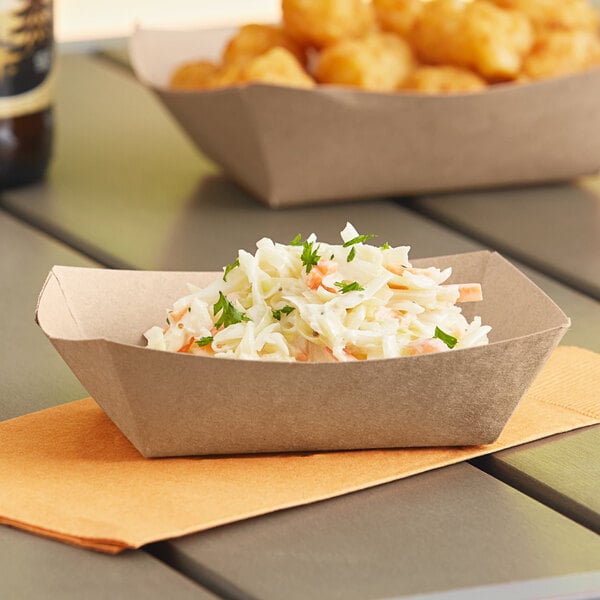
<point x="312" y="301"/>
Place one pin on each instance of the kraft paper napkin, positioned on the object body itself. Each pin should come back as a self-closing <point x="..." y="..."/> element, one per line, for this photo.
<point x="68" y="473"/>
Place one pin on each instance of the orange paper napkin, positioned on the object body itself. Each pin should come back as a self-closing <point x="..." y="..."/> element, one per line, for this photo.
<point x="68" y="473"/>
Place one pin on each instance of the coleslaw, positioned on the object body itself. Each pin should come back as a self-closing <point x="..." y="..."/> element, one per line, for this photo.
<point x="313" y="301"/>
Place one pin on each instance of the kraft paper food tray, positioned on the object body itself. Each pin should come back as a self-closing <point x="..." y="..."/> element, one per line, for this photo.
<point x="171" y="404"/>
<point x="290" y="146"/>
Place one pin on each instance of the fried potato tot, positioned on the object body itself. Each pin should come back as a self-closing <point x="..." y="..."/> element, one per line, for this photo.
<point x="478" y="35"/>
<point x="436" y="33"/>
<point x="225" y="76"/>
<point x="443" y="80"/>
<point x="277" y="66"/>
<point x="205" y="76"/>
<point x="253" y="40"/>
<point x="397" y="16"/>
<point x="193" y="75"/>
<point x="378" y="62"/>
<point x="556" y="14"/>
<point x="320" y="23"/>
<point x="498" y="39"/>
<point x="562" y="52"/>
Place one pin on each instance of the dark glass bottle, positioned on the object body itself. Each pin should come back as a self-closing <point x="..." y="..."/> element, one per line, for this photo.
<point x="26" y="60"/>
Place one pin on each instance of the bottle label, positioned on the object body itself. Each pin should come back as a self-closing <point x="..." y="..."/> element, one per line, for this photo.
<point x="26" y="56"/>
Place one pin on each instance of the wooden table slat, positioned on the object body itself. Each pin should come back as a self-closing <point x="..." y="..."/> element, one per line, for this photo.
<point x="447" y="529"/>
<point x="32" y="374"/>
<point x="563" y="473"/>
<point x="34" y="567"/>
<point x="555" y="229"/>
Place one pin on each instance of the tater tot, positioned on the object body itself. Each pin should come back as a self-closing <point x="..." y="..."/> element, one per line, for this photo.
<point x="253" y="40"/>
<point x="397" y="16"/>
<point x="499" y="40"/>
<point x="556" y="14"/>
<point x="477" y="35"/>
<point x="226" y="76"/>
<point x="193" y="75"/>
<point x="378" y="62"/>
<point x="443" y="80"/>
<point x="436" y="35"/>
<point x="277" y="66"/>
<point x="320" y="23"/>
<point x="562" y="52"/>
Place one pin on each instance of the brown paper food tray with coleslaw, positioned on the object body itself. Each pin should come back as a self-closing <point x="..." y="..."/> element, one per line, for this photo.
<point x="172" y="404"/>
<point x="292" y="146"/>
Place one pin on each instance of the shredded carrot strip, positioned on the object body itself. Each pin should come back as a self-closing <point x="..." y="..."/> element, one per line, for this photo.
<point x="346" y="354"/>
<point x="175" y="317"/>
<point x="469" y="292"/>
<point x="396" y="286"/>
<point x="186" y="347"/>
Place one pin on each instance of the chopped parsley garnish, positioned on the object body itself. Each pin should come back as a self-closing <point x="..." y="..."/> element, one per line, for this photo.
<point x="309" y="256"/>
<point x="297" y="241"/>
<point x="286" y="310"/>
<point x="332" y="257"/>
<point x="348" y="287"/>
<point x="386" y="246"/>
<point x="230" y="315"/>
<point x="359" y="239"/>
<point x="351" y="254"/>
<point x="168" y="322"/>
<point x="189" y="309"/>
<point x="228" y="268"/>
<point x="449" y="340"/>
<point x="205" y="341"/>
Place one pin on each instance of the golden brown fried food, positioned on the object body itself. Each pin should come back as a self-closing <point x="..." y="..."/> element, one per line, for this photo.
<point x="226" y="76"/>
<point x="362" y="44"/>
<point x="193" y="75"/>
<point x="562" y="52"/>
<point x="253" y="40"/>
<point x="378" y="62"/>
<point x="556" y="14"/>
<point x="436" y="35"/>
<point x="398" y="16"/>
<point x="205" y="76"/>
<point x="477" y="35"/>
<point x="319" y="23"/>
<point x="443" y="80"/>
<point x="499" y="39"/>
<point x="277" y="66"/>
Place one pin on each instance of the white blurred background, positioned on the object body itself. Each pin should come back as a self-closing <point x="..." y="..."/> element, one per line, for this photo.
<point x="81" y="20"/>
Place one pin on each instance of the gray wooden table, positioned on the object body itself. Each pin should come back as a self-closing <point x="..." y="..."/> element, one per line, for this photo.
<point x="126" y="188"/>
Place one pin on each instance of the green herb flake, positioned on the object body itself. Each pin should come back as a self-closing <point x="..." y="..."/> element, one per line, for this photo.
<point x="228" y="268"/>
<point x="349" y="287"/>
<point x="229" y="313"/>
<point x="359" y="239"/>
<point x="189" y="309"/>
<point x="168" y="322"/>
<point x="386" y="246"/>
<point x="449" y="340"/>
<point x="286" y="310"/>
<point x="205" y="341"/>
<point x="309" y="256"/>
<point x="297" y="241"/>
<point x="351" y="254"/>
<point x="332" y="257"/>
